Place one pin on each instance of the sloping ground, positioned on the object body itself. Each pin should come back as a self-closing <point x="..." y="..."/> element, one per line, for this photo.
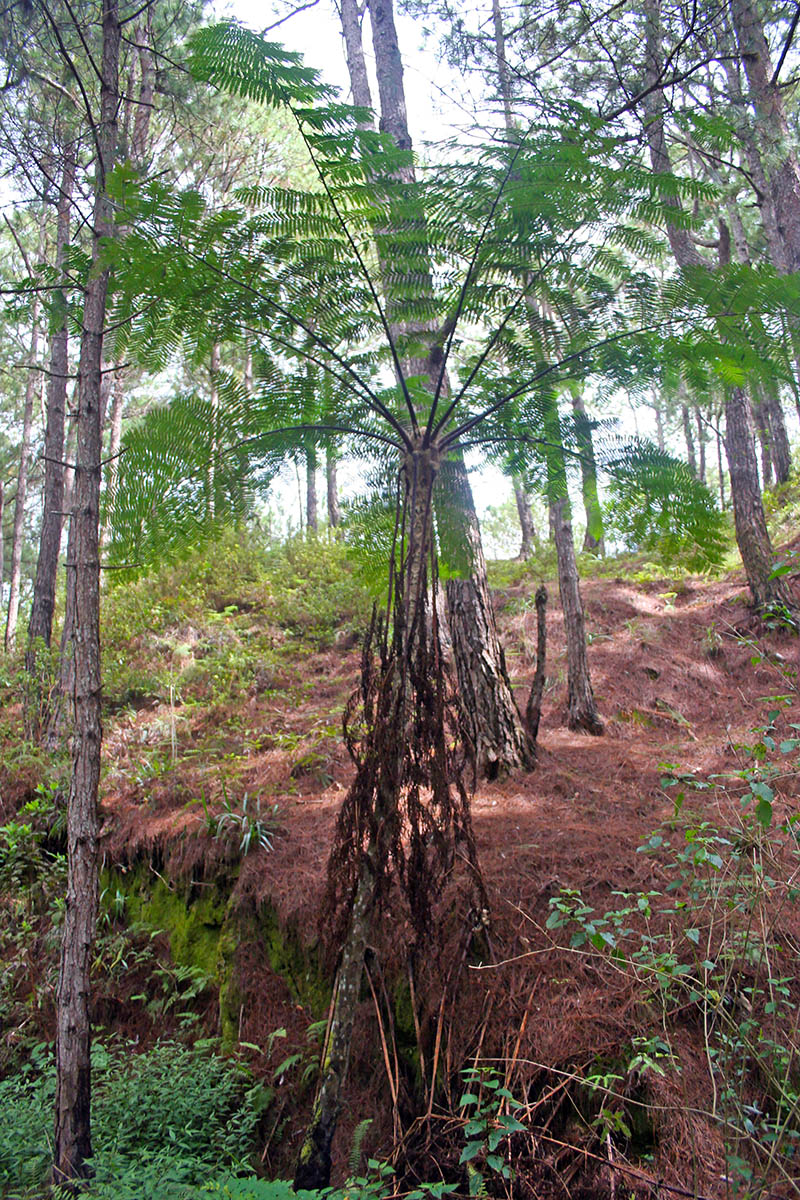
<point x="681" y="673"/>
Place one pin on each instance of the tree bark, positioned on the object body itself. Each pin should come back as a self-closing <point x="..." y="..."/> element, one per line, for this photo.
<point x="659" y="425"/>
<point x="114" y="446"/>
<point x="313" y="1170"/>
<point x="769" y="595"/>
<point x="31" y="389"/>
<point x="312" y="519"/>
<point x="214" y="368"/>
<point x="780" y="451"/>
<point x="701" y="445"/>
<point x="533" y="709"/>
<point x="780" y="157"/>
<point x="761" y="419"/>
<point x="526" y="523"/>
<point x="582" y="712"/>
<point x="581" y="708"/>
<point x="40" y="625"/>
<point x="138" y="114"/>
<point x="73" y="1029"/>
<point x="334" y="512"/>
<point x="594" y="538"/>
<point x="2" y="540"/>
<point x="691" y="457"/>
<point x="489" y="714"/>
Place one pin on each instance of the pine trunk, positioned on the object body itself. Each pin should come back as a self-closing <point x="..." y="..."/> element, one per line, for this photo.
<point x="468" y="598"/>
<point x="581" y="708"/>
<point x="31" y="388"/>
<point x="312" y="519"/>
<point x="40" y="625"/>
<point x="701" y="445"/>
<point x="687" y="433"/>
<point x="73" y="1147"/>
<point x="769" y="595"/>
<point x="751" y="528"/>
<point x="594" y="538"/>
<point x="525" y="520"/>
<point x="780" y="158"/>
<point x="114" y="445"/>
<point x="761" y="420"/>
<point x="334" y="512"/>
<point x="489" y="714"/>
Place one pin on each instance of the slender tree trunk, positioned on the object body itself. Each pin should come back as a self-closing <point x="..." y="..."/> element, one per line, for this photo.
<point x="2" y="540"/>
<point x="214" y="368"/>
<point x="748" y="511"/>
<point x="138" y="115"/>
<point x="334" y="512"/>
<point x="594" y="538"/>
<point x="720" y="467"/>
<point x="73" y="1029"/>
<point x="61" y="714"/>
<point x="761" y="418"/>
<point x="701" y="445"/>
<point x="581" y="708"/>
<point x="780" y="157"/>
<point x="659" y="425"/>
<point x="780" y="451"/>
<point x="40" y="626"/>
<point x="526" y="523"/>
<point x="114" y="447"/>
<point x="687" y="433"/>
<point x="751" y="527"/>
<point x="468" y="599"/>
<point x="489" y="713"/>
<point x="533" y="709"/>
<point x="312" y="520"/>
<point x="582" y="712"/>
<point x="31" y="389"/>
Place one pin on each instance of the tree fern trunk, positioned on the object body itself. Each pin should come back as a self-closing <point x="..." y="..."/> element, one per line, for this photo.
<point x="594" y="538"/>
<point x="383" y="767"/>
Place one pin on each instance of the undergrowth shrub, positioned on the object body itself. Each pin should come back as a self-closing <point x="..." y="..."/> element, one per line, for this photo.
<point x="315" y="590"/>
<point x="228" y="600"/>
<point x="164" y="1122"/>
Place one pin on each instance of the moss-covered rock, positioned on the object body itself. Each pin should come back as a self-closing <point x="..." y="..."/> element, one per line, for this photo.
<point x="207" y="924"/>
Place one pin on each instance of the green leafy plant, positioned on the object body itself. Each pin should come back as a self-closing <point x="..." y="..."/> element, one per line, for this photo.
<point x="489" y="1127"/>
<point x="246" y="820"/>
<point x="164" y="1121"/>
<point x="712" y="940"/>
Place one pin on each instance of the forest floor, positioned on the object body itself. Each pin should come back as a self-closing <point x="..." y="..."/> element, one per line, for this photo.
<point x="601" y="1024"/>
